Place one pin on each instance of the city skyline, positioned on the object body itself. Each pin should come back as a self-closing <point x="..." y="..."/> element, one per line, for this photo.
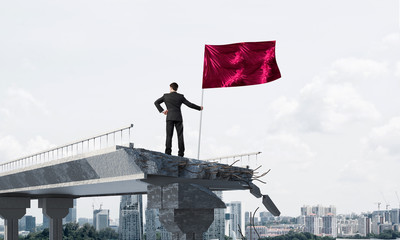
<point x="316" y="219"/>
<point x="328" y="129"/>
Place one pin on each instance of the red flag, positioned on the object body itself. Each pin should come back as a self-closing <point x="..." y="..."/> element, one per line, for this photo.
<point x="239" y="64"/>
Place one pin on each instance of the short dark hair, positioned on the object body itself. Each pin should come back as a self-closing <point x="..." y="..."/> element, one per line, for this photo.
<point x="174" y="86"/>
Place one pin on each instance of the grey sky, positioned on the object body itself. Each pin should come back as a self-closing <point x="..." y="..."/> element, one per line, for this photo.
<point x="329" y="128"/>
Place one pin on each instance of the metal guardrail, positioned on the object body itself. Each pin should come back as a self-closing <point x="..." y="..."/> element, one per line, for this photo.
<point x="115" y="137"/>
<point x="235" y="158"/>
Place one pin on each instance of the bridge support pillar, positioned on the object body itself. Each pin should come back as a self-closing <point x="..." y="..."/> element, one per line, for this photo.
<point x="186" y="210"/>
<point x="12" y="209"/>
<point x="56" y="209"/>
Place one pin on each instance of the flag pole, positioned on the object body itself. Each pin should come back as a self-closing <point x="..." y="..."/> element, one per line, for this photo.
<point x="201" y="119"/>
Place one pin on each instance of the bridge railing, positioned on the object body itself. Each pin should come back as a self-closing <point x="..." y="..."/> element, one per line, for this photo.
<point x="116" y="137"/>
<point x="238" y="159"/>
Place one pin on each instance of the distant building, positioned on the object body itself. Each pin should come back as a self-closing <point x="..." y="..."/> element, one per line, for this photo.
<point x="101" y="219"/>
<point x="83" y="221"/>
<point x="131" y="217"/>
<point x="301" y="220"/>
<point x="278" y="230"/>
<point x="318" y="210"/>
<point x="256" y="232"/>
<point x="395" y="216"/>
<point x="331" y="209"/>
<point x="217" y="228"/>
<point x="246" y="218"/>
<point x="152" y="223"/>
<point x="347" y="227"/>
<point x="396" y="227"/>
<point x="329" y="225"/>
<point x="319" y="220"/>
<point x="235" y="221"/>
<point x="312" y="224"/>
<point x="27" y="223"/>
<point x="305" y="210"/>
<point x="375" y="222"/>
<point x="266" y="217"/>
<point x="46" y="221"/>
<point x="364" y="225"/>
<point x="385" y="226"/>
<point x="154" y="226"/>
<point x="71" y="217"/>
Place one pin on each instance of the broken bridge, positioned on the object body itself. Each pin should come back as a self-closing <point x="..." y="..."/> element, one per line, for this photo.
<point x="179" y="187"/>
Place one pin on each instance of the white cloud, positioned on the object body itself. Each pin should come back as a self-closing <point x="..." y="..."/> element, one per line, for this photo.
<point x="392" y="39"/>
<point x="11" y="148"/>
<point x="233" y="131"/>
<point x="323" y="106"/>
<point x="5" y="112"/>
<point x="25" y="99"/>
<point x="284" y="146"/>
<point x="18" y="104"/>
<point x="27" y="64"/>
<point x="397" y="70"/>
<point x="385" y="140"/>
<point x="357" y="68"/>
<point x="38" y="144"/>
<point x="283" y="107"/>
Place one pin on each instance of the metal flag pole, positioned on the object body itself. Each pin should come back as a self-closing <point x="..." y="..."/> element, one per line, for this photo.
<point x="201" y="119"/>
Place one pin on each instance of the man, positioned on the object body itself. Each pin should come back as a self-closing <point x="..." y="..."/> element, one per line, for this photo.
<point x="173" y="101"/>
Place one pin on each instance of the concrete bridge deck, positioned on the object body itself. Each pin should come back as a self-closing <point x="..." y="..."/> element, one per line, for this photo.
<point x="118" y="170"/>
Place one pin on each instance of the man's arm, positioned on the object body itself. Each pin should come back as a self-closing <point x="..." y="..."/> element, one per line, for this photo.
<point x="192" y="105"/>
<point x="158" y="102"/>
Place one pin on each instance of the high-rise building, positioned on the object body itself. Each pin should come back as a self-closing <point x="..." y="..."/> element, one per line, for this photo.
<point x="312" y="224"/>
<point x="152" y="223"/>
<point x="301" y="220"/>
<point x="27" y="223"/>
<point x="71" y="217"/>
<point x="395" y="216"/>
<point x="364" y="225"/>
<point x="329" y="225"/>
<point x="131" y="217"/>
<point x="101" y="218"/>
<point x="375" y="222"/>
<point x="246" y="218"/>
<point x="319" y="220"/>
<point x="318" y="210"/>
<point x="46" y="221"/>
<point x="305" y="210"/>
<point x="165" y="235"/>
<point x="330" y="209"/>
<point x="154" y="226"/>
<point x="235" y="223"/>
<point x="217" y="228"/>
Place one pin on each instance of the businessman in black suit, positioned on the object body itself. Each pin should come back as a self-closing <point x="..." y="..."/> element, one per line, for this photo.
<point x="173" y="101"/>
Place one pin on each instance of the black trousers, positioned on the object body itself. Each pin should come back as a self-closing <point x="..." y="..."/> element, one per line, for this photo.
<point x="170" y="131"/>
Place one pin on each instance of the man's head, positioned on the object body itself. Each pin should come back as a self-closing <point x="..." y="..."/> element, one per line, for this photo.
<point x="173" y="87"/>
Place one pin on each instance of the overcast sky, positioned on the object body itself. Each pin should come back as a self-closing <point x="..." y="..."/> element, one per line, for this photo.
<point x="329" y="129"/>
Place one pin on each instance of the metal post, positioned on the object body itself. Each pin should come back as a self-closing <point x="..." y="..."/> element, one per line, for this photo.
<point x="201" y="119"/>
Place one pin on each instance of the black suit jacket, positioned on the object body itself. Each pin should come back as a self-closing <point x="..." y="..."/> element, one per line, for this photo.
<point x="173" y="101"/>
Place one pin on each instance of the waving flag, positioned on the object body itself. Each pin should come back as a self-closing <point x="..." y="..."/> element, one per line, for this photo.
<point x="239" y="64"/>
